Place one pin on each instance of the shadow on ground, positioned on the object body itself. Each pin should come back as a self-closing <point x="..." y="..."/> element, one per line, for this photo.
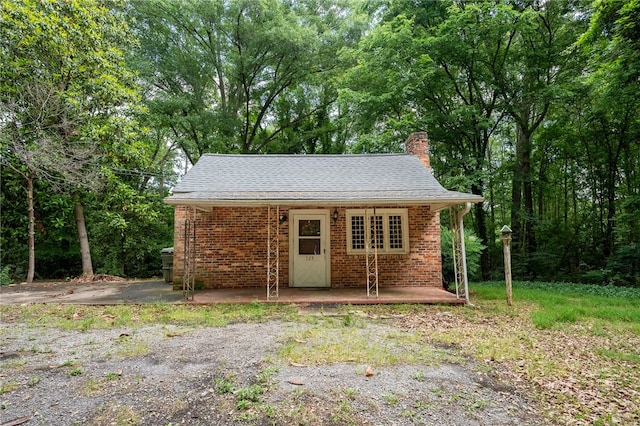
<point x="100" y="293"/>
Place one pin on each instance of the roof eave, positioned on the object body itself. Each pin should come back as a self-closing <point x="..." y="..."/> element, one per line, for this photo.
<point x="441" y="203"/>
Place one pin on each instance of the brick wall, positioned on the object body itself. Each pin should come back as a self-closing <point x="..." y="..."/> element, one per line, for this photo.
<point x="420" y="267"/>
<point x="231" y="250"/>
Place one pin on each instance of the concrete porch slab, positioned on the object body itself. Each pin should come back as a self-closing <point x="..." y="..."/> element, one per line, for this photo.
<point x="340" y="296"/>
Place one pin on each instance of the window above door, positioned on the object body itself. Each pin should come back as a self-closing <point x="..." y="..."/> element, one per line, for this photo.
<point x="389" y="226"/>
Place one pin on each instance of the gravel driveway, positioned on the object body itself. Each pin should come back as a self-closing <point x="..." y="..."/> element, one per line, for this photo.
<point x="168" y="375"/>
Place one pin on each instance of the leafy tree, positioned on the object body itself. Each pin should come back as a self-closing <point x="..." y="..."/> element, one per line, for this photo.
<point x="466" y="71"/>
<point x="541" y="61"/>
<point x="242" y="76"/>
<point x="608" y="129"/>
<point x="433" y="66"/>
<point x="63" y="87"/>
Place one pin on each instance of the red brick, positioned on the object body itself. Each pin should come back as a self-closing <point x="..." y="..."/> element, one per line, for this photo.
<point x="231" y="250"/>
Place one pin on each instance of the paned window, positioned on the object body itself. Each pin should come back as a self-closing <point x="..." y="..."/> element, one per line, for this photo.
<point x="389" y="228"/>
<point x="357" y="233"/>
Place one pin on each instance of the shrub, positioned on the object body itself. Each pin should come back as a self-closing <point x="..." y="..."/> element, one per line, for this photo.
<point x="5" y="277"/>
<point x="473" y="248"/>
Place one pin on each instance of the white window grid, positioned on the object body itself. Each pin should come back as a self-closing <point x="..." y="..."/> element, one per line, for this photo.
<point x="391" y="226"/>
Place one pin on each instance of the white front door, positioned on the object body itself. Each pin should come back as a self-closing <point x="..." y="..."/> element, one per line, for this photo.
<point x="309" y="248"/>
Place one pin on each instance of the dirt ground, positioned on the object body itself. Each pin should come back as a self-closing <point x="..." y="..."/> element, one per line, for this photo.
<point x="169" y="375"/>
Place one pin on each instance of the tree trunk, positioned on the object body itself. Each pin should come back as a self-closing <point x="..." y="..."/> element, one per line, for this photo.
<point x="527" y="189"/>
<point x="481" y="230"/>
<point x="87" y="266"/>
<point x="522" y="214"/>
<point x="32" y="233"/>
<point x="516" y="202"/>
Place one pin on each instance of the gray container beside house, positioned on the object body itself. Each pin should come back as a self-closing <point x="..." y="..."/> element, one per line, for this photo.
<point x="167" y="264"/>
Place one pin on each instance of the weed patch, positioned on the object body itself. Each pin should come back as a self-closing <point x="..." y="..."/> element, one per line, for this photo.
<point x="70" y="317"/>
<point x="223" y="385"/>
<point x="8" y="386"/>
<point x="132" y="348"/>
<point x="575" y="346"/>
<point x="334" y="344"/>
<point x="117" y="415"/>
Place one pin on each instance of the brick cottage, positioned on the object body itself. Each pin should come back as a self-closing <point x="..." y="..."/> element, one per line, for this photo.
<point x="320" y="221"/>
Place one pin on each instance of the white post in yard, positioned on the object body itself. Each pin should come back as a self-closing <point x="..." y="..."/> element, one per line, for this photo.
<point x="506" y="240"/>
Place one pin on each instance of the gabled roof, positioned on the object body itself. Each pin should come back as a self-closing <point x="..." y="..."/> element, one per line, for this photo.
<point x="344" y="180"/>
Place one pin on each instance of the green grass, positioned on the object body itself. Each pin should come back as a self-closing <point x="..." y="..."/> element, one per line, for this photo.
<point x="114" y="414"/>
<point x="132" y="348"/>
<point x="630" y="357"/>
<point x="330" y="342"/>
<point x="391" y="398"/>
<point x="555" y="304"/>
<point x="85" y="318"/>
<point x="552" y="332"/>
<point x="75" y="372"/>
<point x="223" y="385"/>
<point x="8" y="386"/>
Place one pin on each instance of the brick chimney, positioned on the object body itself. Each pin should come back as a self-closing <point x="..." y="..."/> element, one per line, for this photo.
<point x="418" y="144"/>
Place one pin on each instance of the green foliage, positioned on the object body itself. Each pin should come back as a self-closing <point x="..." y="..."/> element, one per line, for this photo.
<point x="520" y="111"/>
<point x="13" y="223"/>
<point x="76" y="372"/>
<point x="223" y="385"/>
<point x="58" y="261"/>
<point x="65" y="87"/>
<point x="129" y="228"/>
<point x="5" y="277"/>
<point x="248" y="396"/>
<point x="624" y="265"/>
<point x="473" y="248"/>
<point x="561" y="303"/>
<point x="534" y="105"/>
<point x="68" y="103"/>
<point x="243" y="77"/>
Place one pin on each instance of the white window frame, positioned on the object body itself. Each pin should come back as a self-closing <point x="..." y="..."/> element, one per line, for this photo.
<point x="385" y="213"/>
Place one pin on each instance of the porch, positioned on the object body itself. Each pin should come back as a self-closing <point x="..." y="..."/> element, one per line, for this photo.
<point x="337" y="296"/>
<point x="359" y="221"/>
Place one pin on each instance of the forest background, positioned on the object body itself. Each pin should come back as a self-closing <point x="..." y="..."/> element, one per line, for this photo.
<point x="533" y="104"/>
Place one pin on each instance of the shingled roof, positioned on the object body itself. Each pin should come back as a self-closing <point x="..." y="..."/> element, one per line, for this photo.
<point x="345" y="180"/>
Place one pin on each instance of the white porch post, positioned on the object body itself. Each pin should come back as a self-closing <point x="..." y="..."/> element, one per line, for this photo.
<point x="456" y="217"/>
